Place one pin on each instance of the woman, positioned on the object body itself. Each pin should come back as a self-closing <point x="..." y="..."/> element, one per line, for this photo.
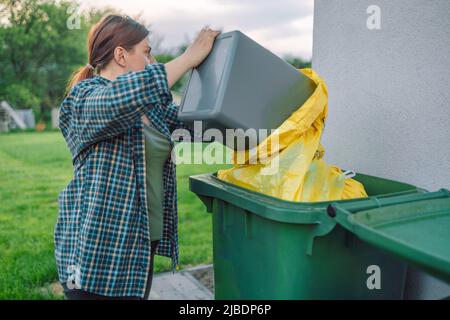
<point x="119" y="210"/>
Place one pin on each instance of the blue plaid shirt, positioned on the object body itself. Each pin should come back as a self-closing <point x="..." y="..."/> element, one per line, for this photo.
<point x="102" y="238"/>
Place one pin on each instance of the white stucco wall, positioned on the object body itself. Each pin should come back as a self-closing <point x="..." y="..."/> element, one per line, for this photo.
<point x="389" y="95"/>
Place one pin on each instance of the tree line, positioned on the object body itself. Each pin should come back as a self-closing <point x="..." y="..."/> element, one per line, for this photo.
<point x="42" y="42"/>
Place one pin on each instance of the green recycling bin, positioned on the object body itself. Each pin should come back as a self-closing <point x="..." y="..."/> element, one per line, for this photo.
<point x="267" y="248"/>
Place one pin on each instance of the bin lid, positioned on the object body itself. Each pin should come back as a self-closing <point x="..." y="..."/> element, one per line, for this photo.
<point x="416" y="231"/>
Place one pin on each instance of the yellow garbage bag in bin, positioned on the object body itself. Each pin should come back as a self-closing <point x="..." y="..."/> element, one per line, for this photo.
<point x="288" y="164"/>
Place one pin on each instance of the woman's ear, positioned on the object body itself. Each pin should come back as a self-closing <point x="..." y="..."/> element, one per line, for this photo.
<point x="119" y="56"/>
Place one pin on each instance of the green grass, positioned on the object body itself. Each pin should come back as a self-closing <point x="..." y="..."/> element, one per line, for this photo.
<point x="34" y="168"/>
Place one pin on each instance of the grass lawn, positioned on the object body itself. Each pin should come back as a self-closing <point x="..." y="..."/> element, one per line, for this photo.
<point x="34" y="168"/>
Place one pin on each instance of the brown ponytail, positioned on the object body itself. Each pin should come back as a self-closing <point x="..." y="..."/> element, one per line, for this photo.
<point x="79" y="75"/>
<point x="110" y="32"/>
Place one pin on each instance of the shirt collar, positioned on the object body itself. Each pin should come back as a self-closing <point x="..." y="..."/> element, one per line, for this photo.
<point x="101" y="79"/>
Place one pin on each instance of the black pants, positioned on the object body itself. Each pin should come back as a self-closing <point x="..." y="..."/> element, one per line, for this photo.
<point x="77" y="294"/>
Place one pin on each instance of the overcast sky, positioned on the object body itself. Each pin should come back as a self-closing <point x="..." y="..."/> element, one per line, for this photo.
<point x="282" y="26"/>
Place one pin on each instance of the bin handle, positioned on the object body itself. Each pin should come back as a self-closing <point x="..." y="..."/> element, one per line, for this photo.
<point x="374" y="202"/>
<point x="207" y="201"/>
<point x="349" y="174"/>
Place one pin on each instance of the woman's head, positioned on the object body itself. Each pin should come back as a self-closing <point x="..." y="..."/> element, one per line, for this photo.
<point x="118" y="43"/>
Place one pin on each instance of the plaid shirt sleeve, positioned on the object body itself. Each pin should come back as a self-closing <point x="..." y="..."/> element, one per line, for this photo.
<point x="171" y="116"/>
<point x="107" y="111"/>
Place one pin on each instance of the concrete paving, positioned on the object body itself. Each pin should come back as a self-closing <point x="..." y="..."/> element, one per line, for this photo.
<point x="179" y="286"/>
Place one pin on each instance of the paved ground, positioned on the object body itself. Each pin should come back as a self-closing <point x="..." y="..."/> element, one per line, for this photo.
<point x="183" y="285"/>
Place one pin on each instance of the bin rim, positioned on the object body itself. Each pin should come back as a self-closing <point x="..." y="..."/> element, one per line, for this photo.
<point x="276" y="209"/>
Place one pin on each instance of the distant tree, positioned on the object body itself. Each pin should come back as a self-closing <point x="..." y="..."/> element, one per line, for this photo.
<point x="39" y="51"/>
<point x="297" y="62"/>
<point x="41" y="43"/>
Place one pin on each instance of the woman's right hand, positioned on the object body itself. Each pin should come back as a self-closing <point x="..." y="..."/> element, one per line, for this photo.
<point x="192" y="57"/>
<point x="201" y="47"/>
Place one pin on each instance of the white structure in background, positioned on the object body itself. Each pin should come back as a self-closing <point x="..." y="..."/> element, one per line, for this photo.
<point x="27" y="116"/>
<point x="5" y="119"/>
<point x="387" y="69"/>
<point x="55" y="118"/>
<point x="12" y="118"/>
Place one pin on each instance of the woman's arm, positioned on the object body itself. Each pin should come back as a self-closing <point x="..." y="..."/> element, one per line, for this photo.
<point x="192" y="57"/>
<point x="176" y="68"/>
<point x="105" y="111"/>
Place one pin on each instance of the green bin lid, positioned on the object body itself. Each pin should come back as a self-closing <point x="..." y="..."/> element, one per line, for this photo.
<point x="415" y="228"/>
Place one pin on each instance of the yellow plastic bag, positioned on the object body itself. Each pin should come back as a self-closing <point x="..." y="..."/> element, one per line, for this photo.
<point x="288" y="164"/>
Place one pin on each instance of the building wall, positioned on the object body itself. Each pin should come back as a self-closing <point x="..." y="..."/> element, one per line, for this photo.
<point x="389" y="95"/>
